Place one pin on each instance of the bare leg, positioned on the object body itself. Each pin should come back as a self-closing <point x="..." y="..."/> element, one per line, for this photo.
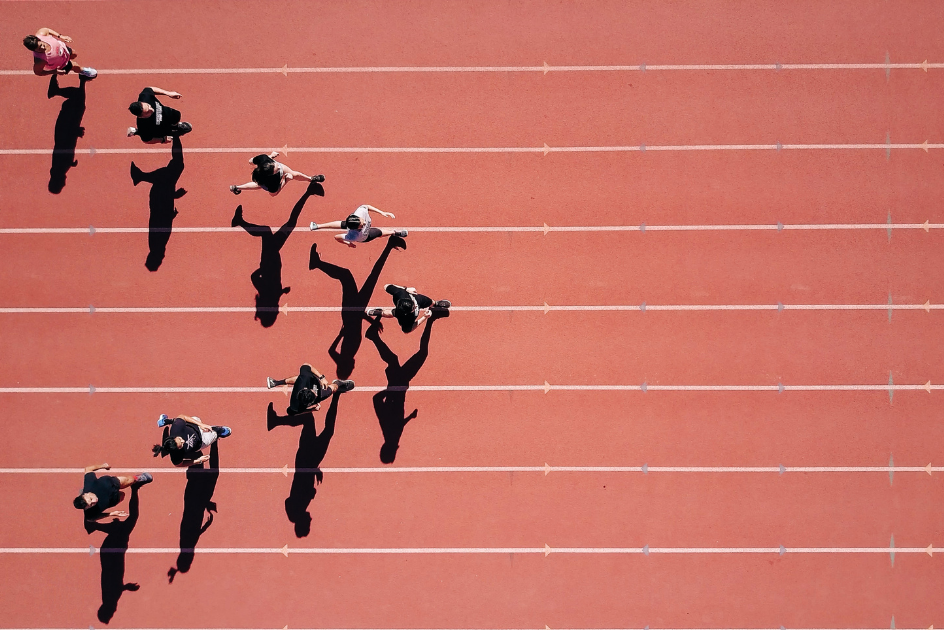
<point x="248" y="186"/>
<point x="333" y="225"/>
<point x="293" y="174"/>
<point x="125" y="481"/>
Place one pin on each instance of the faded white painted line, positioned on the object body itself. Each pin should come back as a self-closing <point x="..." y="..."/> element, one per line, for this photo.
<point x="545" y="470"/>
<point x="883" y="146"/>
<point x="546" y="551"/>
<point x="132" y="310"/>
<point x="545" y="68"/>
<point x="772" y="227"/>
<point x="645" y="387"/>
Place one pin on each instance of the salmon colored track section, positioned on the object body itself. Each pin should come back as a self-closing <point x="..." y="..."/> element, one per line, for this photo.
<point x="497" y="428"/>
<point x="502" y="190"/>
<point x="493" y="591"/>
<point x="561" y="428"/>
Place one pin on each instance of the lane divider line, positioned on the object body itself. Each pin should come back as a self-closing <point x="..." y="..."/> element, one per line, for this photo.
<point x="645" y="387"/>
<point x="545" y="308"/>
<point x="546" y="469"/>
<point x="927" y="226"/>
<point x="546" y="550"/>
<point x="885" y="147"/>
<point x="544" y="69"/>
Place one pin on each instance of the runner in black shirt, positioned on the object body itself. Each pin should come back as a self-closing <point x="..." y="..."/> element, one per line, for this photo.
<point x="184" y="438"/>
<point x="271" y="176"/>
<point x="309" y="388"/>
<point x="101" y="493"/>
<point x="156" y="122"/>
<point x="410" y="308"/>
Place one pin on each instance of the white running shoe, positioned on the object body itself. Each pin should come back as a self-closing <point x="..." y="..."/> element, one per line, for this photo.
<point x="313" y="226"/>
<point x="131" y="131"/>
<point x="89" y="73"/>
<point x="270" y="382"/>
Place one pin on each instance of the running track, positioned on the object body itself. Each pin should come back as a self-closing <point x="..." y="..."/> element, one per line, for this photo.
<point x="715" y="507"/>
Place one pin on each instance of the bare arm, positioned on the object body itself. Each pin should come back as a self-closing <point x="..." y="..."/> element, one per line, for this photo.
<point x="49" y="31"/>
<point x="162" y="92"/>
<point x="340" y="238"/>
<point x="94" y="467"/>
<point x="389" y="215"/>
<point x="39" y="68"/>
<point x="422" y="318"/>
<point x="196" y="422"/>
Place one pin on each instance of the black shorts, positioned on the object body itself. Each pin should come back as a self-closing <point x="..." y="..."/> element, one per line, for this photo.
<point x="372" y="233"/>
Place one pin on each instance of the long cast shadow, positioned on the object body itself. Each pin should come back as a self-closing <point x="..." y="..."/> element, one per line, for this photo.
<point x="68" y="131"/>
<point x="161" y="198"/>
<point x="198" y="501"/>
<point x="267" y="279"/>
<point x="112" y="556"/>
<point x="390" y="403"/>
<point x="354" y="301"/>
<point x="312" y="447"/>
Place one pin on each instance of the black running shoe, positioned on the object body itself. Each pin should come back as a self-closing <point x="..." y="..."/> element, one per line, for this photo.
<point x="401" y="233"/>
<point x="318" y="178"/>
<point x="443" y="304"/>
<point x="182" y="128"/>
<point x="344" y="386"/>
<point x="234" y="190"/>
<point x="375" y="312"/>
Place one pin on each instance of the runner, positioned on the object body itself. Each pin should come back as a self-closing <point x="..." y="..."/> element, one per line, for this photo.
<point x="271" y="176"/>
<point x="101" y="493"/>
<point x="410" y="308"/>
<point x="156" y="122"/>
<point x="184" y="438"/>
<point x="52" y="56"/>
<point x="309" y="388"/>
<point x="359" y="229"/>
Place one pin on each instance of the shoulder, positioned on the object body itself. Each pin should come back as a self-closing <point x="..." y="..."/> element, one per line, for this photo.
<point x="146" y="93"/>
<point x="89" y="477"/>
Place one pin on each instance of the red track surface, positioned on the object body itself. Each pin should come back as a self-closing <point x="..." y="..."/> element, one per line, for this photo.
<point x="499" y="428"/>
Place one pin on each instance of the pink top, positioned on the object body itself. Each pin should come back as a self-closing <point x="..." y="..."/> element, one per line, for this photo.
<point x="58" y="55"/>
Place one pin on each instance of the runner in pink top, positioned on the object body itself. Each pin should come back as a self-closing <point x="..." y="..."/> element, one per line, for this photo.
<point x="52" y="56"/>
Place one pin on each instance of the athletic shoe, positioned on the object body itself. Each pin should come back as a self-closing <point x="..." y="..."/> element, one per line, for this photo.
<point x="131" y="131"/>
<point x="136" y="174"/>
<point x="312" y="226"/>
<point x="270" y="382"/>
<point x="401" y="233"/>
<point x="89" y="73"/>
<point x="375" y="312"/>
<point x="344" y="386"/>
<point x="143" y="478"/>
<point x="226" y="432"/>
<point x="318" y="178"/>
<point x="234" y="190"/>
<point x="182" y="128"/>
<point x="443" y="304"/>
<point x="163" y="420"/>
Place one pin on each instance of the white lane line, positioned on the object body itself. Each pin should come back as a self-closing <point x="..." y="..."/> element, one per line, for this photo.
<point x="546" y="469"/>
<point x="884" y="146"/>
<point x="734" y="227"/>
<point x="545" y="68"/>
<point x="645" y="387"/>
<point x="26" y="310"/>
<point x="546" y="550"/>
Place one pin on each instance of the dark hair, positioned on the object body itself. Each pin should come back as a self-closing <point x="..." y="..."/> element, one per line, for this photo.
<point x="353" y="222"/>
<point x="163" y="449"/>
<point x="306" y="398"/>
<point x="404" y="307"/>
<point x="263" y="160"/>
<point x="31" y="42"/>
<point x="80" y="503"/>
<point x="136" y="109"/>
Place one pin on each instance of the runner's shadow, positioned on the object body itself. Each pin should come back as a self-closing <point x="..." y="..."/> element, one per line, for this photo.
<point x="267" y="279"/>
<point x="354" y="301"/>
<point x="68" y="131"/>
<point x="312" y="447"/>
<point x="198" y="501"/>
<point x="390" y="404"/>
<point x="161" y="198"/>
<point x="112" y="556"/>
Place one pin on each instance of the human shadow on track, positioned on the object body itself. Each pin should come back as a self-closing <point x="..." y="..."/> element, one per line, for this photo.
<point x="354" y="301"/>
<point x="267" y="279"/>
<point x="198" y="501"/>
<point x="161" y="198"/>
<point x="68" y="131"/>
<point x="390" y="403"/>
<point x="112" y="557"/>
<point x="312" y="447"/>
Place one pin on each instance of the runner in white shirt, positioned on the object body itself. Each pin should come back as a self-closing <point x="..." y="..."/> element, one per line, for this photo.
<point x="359" y="229"/>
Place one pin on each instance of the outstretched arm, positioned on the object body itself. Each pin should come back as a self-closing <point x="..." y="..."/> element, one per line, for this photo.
<point x="162" y="92"/>
<point x="94" y="467"/>
<point x="49" y="31"/>
<point x="389" y="215"/>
